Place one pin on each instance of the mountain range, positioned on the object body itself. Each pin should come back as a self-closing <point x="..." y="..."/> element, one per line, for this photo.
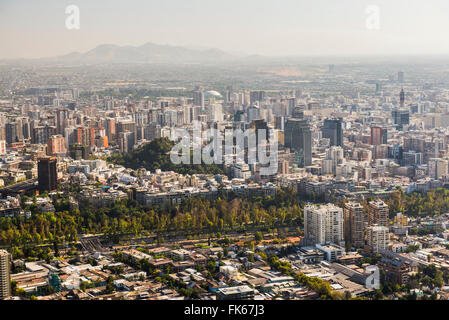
<point x="146" y="53"/>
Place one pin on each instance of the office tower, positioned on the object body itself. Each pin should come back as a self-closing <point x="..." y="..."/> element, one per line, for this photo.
<point x="5" y="277"/>
<point x="12" y="132"/>
<point x="378" y="87"/>
<point x="47" y="174"/>
<point x="377" y="238"/>
<point x="331" y="68"/>
<point x="402" y="98"/>
<point x="323" y="224"/>
<point x="333" y="130"/>
<point x="2" y="147"/>
<point x="378" y="213"/>
<point x="79" y="151"/>
<point x="355" y="223"/>
<point x="198" y="98"/>
<point x="228" y="95"/>
<point x="400" y="76"/>
<point x="400" y="118"/>
<point x="378" y="136"/>
<point x="256" y="96"/>
<point x="298" y="93"/>
<point x="298" y="137"/>
<point x="56" y="144"/>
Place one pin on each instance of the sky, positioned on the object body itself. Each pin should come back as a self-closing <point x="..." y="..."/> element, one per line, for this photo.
<point x="35" y="29"/>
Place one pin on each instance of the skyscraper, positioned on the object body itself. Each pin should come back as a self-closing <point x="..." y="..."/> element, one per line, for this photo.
<point x="377" y="238"/>
<point x="256" y="96"/>
<point x="378" y="213"/>
<point x="5" y="286"/>
<point x="355" y="224"/>
<point x="56" y="144"/>
<point x="401" y="116"/>
<point x="47" y="174"/>
<point x="378" y="136"/>
<point x="333" y="130"/>
<point x="298" y="137"/>
<point x="323" y="224"/>
<point x="198" y="98"/>
<point x="400" y="76"/>
<point x="402" y="98"/>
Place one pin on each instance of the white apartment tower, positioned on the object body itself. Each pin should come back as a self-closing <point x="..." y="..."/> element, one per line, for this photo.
<point x="377" y="238"/>
<point x="323" y="224"/>
<point x="4" y="275"/>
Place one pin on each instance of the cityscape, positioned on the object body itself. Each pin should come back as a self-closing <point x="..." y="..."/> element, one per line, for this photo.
<point x="167" y="172"/>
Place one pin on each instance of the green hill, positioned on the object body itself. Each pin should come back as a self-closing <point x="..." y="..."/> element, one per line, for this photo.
<point x="155" y="155"/>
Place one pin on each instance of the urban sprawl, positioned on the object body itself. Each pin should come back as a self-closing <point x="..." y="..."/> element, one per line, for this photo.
<point x="93" y="208"/>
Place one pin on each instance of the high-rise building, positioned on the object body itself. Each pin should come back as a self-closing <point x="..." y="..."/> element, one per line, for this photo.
<point x="198" y="98"/>
<point x="41" y="134"/>
<point x="400" y="76"/>
<point x="47" y="174"/>
<point x="377" y="238"/>
<point x="256" y="96"/>
<point x="56" y="144"/>
<point x="323" y="224"/>
<point x="402" y="98"/>
<point x="378" y="213"/>
<point x="110" y="128"/>
<point x="355" y="222"/>
<point x="437" y="167"/>
<point x="378" y="136"/>
<point x="5" y="278"/>
<point x="12" y="132"/>
<point x="333" y="130"/>
<point x="253" y="113"/>
<point x="401" y="116"/>
<point x="298" y="137"/>
<point x="126" y="141"/>
<point x="79" y="151"/>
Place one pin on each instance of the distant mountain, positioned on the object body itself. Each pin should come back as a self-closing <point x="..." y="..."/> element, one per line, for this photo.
<point x="147" y="53"/>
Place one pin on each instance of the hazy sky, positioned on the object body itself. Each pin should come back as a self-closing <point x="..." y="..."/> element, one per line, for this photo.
<point x="33" y="28"/>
